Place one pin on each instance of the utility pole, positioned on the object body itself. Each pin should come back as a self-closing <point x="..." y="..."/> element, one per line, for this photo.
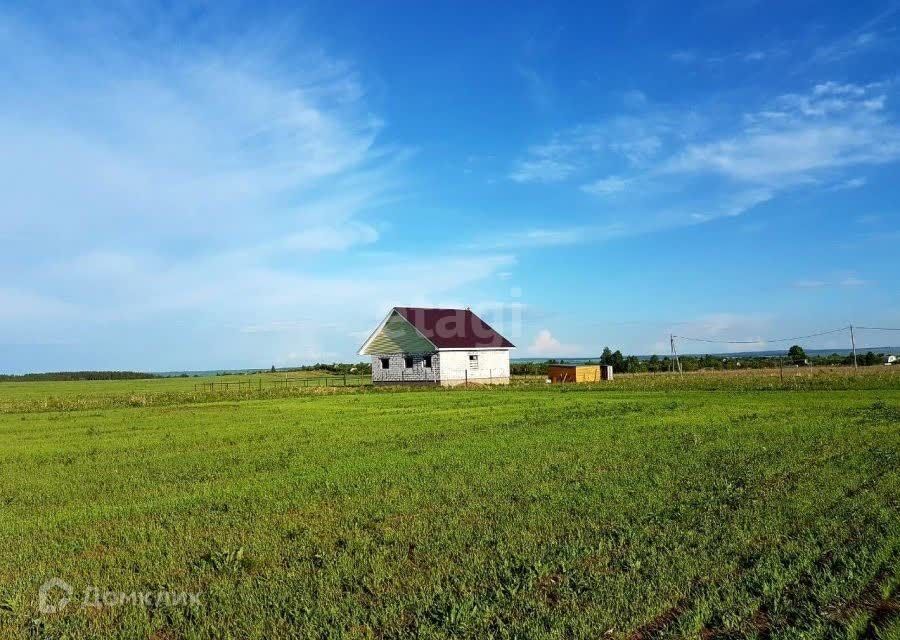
<point x="671" y="353"/>
<point x="675" y="353"/>
<point x="853" y="344"/>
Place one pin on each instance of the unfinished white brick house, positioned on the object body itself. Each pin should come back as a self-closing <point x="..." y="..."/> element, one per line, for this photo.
<point x="415" y="345"/>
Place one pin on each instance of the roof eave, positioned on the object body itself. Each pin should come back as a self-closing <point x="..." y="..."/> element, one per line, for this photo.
<point x="475" y="348"/>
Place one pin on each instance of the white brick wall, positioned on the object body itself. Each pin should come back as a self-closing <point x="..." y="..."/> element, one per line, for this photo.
<point x="397" y="371"/>
<point x="493" y="366"/>
<point x="448" y="368"/>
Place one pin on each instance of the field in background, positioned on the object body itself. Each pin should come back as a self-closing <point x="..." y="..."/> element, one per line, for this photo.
<point x="42" y="390"/>
<point x="713" y="505"/>
<point x="751" y="379"/>
<point x="83" y="395"/>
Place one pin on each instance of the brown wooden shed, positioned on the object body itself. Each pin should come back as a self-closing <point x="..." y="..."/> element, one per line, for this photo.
<point x="573" y="373"/>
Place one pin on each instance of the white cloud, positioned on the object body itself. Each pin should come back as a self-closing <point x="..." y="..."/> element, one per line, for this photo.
<point x="845" y="280"/>
<point x="539" y="88"/>
<point x="684" y="57"/>
<point x="810" y="284"/>
<point x="531" y="238"/>
<point x="639" y="140"/>
<point x="185" y="193"/>
<point x="545" y="163"/>
<point x="833" y="127"/>
<point x="847" y="46"/>
<point x="546" y="345"/>
<point x="606" y="186"/>
<point x="191" y="143"/>
<point x="17" y="305"/>
<point x="335" y="238"/>
<point x="852" y="281"/>
<point x="850" y="183"/>
<point x="669" y="168"/>
<point x="716" y="60"/>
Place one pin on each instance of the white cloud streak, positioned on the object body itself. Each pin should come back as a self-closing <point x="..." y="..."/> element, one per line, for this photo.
<point x="663" y="168"/>
<point x="171" y="201"/>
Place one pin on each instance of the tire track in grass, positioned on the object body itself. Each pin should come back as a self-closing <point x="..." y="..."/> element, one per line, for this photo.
<point x="801" y="588"/>
<point x="877" y="601"/>
<point x="664" y="621"/>
<point x="778" y="485"/>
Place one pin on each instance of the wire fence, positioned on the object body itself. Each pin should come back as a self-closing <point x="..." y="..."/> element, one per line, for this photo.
<point x="260" y="384"/>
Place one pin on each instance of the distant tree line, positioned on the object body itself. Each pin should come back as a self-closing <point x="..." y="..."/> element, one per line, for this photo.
<point x="339" y="368"/>
<point x="78" y="375"/>
<point x="795" y="356"/>
<point x="335" y="367"/>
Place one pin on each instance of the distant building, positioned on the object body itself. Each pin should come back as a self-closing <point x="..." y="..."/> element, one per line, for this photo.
<point x="890" y="359"/>
<point x="415" y="345"/>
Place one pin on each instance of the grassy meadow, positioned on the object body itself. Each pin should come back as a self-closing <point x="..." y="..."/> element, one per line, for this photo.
<point x="708" y="506"/>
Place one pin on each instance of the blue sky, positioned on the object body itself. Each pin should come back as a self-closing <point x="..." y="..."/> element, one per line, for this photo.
<point x="222" y="186"/>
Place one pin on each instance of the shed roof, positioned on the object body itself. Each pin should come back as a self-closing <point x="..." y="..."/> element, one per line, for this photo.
<point x="571" y="366"/>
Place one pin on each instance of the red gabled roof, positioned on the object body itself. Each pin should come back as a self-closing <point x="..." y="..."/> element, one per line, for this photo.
<point x="454" y="328"/>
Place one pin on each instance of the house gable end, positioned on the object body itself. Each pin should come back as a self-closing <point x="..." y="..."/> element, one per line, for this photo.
<point x="396" y="335"/>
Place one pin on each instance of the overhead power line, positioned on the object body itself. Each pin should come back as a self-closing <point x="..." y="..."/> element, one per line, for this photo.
<point x="767" y="340"/>
<point x="877" y="328"/>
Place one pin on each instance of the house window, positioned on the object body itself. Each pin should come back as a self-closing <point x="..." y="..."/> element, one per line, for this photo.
<point x="473" y="362"/>
<point x="427" y="362"/>
<point x="409" y="362"/>
<point x="385" y="363"/>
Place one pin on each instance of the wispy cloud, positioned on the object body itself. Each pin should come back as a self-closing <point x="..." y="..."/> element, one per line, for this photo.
<point x="637" y="139"/>
<point x="196" y="183"/>
<point x="684" y="57"/>
<point x="539" y="89"/>
<point x="606" y="186"/>
<point x="531" y="238"/>
<point x="659" y="168"/>
<point x="850" y="183"/>
<point x="844" y="280"/>
<point x="545" y="163"/>
<point x="706" y="59"/>
<point x="810" y="284"/>
<point x="847" y="46"/>
<point x="832" y="127"/>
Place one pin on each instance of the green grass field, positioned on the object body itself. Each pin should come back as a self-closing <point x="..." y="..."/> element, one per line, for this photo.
<point x="706" y="507"/>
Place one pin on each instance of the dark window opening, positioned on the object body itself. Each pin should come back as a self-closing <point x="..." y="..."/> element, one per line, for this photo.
<point x="385" y="363"/>
<point x="409" y="362"/>
<point x="427" y="362"/>
<point x="473" y="362"/>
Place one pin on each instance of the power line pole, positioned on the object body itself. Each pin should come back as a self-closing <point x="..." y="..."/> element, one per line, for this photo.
<point x="671" y="353"/>
<point x="675" y="353"/>
<point x="853" y="344"/>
